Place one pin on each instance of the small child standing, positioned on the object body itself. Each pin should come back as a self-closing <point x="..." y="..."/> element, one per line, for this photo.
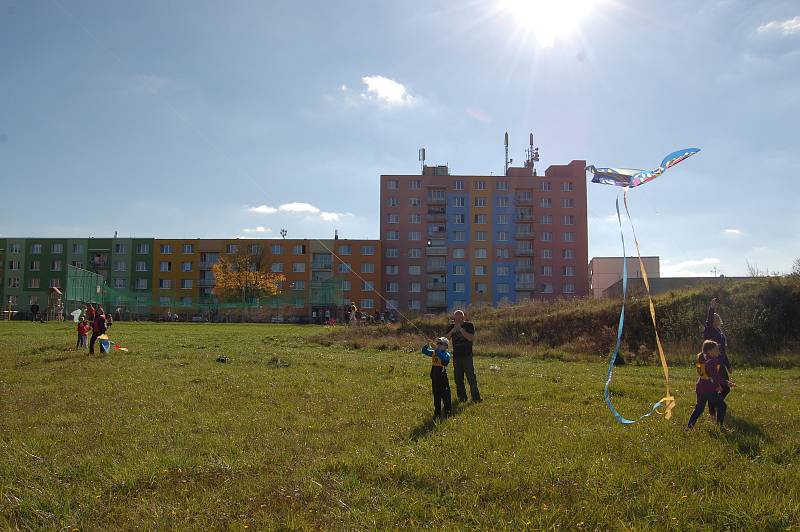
<point x="440" y="385"/>
<point x="709" y="383"/>
<point x="83" y="331"/>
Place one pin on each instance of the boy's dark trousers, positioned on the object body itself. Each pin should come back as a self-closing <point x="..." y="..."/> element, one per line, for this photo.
<point x="441" y="392"/>
<point x="462" y="365"/>
<point x="712" y="408"/>
<point x="712" y="398"/>
<point x="95" y="335"/>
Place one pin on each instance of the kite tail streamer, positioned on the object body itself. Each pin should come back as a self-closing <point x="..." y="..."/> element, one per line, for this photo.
<point x="668" y="401"/>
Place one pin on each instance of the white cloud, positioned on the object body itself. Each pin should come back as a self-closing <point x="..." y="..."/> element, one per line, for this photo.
<point x="298" y="207"/>
<point x="258" y="229"/>
<point x="688" y="268"/>
<point x="479" y="115"/>
<point x="734" y="232"/>
<point x="386" y="90"/>
<point x="787" y="27"/>
<point x="263" y="209"/>
<point x="333" y="216"/>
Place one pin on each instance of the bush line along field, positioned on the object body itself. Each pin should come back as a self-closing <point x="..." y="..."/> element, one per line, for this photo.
<point x="299" y="435"/>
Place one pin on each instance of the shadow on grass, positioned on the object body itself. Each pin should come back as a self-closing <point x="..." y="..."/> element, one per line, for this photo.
<point x="745" y="435"/>
<point x="428" y="426"/>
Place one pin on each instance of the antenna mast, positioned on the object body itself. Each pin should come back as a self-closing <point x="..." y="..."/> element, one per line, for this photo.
<point x="505" y="168"/>
<point x="532" y="156"/>
<point x="422" y="160"/>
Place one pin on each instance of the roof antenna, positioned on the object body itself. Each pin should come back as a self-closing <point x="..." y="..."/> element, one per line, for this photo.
<point x="336" y="234"/>
<point x="505" y="169"/>
<point x="422" y="160"/>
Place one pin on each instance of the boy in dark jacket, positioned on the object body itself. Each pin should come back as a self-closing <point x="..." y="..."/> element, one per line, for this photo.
<point x="713" y="331"/>
<point x="440" y="385"/>
<point x="709" y="383"/>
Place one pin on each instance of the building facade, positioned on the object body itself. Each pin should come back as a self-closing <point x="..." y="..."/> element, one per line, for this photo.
<point x="452" y="241"/>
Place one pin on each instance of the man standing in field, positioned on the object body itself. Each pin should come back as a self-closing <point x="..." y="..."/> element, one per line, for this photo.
<point x="462" y="334"/>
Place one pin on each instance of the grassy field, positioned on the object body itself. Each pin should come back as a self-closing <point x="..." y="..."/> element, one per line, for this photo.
<point x="294" y="434"/>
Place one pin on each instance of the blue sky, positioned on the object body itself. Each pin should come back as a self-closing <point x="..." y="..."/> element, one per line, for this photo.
<point x="220" y="119"/>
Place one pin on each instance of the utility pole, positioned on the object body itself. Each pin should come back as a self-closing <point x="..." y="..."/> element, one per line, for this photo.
<point x="714" y="271"/>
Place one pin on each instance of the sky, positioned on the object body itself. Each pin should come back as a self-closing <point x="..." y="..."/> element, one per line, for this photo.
<point x="187" y="119"/>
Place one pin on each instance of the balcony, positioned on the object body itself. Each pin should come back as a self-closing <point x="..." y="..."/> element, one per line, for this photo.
<point x="206" y="265"/>
<point x="436" y="217"/>
<point x="437" y="201"/>
<point x="524" y="235"/>
<point x="528" y="268"/>
<point x="525" y="287"/>
<point x="206" y="283"/>
<point x="322" y="265"/>
<point x="437" y="300"/>
<point x="436" y="268"/>
<point x="523" y="217"/>
<point x="521" y="200"/>
<point x="523" y="252"/>
<point x="436" y="251"/>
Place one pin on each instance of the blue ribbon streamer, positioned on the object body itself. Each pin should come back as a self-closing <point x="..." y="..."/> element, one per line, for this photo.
<point x="612" y="359"/>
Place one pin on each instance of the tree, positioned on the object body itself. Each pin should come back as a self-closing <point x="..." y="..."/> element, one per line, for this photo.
<point x="796" y="268"/>
<point x="244" y="276"/>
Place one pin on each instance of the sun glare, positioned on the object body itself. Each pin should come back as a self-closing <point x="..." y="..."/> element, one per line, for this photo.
<point x="548" y="20"/>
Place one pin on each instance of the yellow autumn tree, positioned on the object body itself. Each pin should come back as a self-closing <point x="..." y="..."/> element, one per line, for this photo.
<point x="241" y="277"/>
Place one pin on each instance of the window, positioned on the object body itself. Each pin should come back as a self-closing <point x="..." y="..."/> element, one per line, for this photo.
<point x="367" y="251"/>
<point x="253" y="249"/>
<point x="502" y="201"/>
<point x="393" y="201"/>
<point x="299" y="285"/>
<point x="16" y="248"/>
<point x="367" y="286"/>
<point x="547" y="271"/>
<point x="141" y="266"/>
<point x="119" y="266"/>
<point x="119" y="283"/>
<point x="165" y="284"/>
<point x="413" y="304"/>
<point x="480" y="270"/>
<point x="414" y="269"/>
<point x="186" y="301"/>
<point x="502" y="253"/>
<point x="165" y="266"/>
<point x="393" y="219"/>
<point x="414" y="287"/>
<point x="392" y="253"/>
<point x="186" y="284"/>
<point x="35" y="266"/>
<point x="480" y="185"/>
<point x="141" y="284"/>
<point x="459" y="201"/>
<point x="414" y="235"/>
<point x="414" y="253"/>
<point x="480" y="288"/>
<point x="547" y="236"/>
<point x="523" y="196"/>
<point x="77" y="264"/>
<point x="547" y="288"/>
<point x="480" y="236"/>
<point x="436" y="196"/>
<point x="545" y="186"/>
<point x="120" y="248"/>
<point x="298" y="267"/>
<point x="415" y="184"/>
<point x="503" y="271"/>
<point x="276" y="267"/>
<point x="299" y="249"/>
<point x="345" y="267"/>
<point x="502" y="236"/>
<point x="392" y="269"/>
<point x="393" y="304"/>
<point x="480" y="218"/>
<point x="166" y="249"/>
<point x="567" y="203"/>
<point x="164" y="301"/>
<point x="459" y="287"/>
<point x="13" y="282"/>
<point x="459" y="218"/>
<point x="55" y="266"/>
<point x="36" y="249"/>
<point x="502" y="185"/>
<point x="33" y="282"/>
<point x="231" y="248"/>
<point x="568" y="271"/>
<point x="414" y="219"/>
<point x="567" y="253"/>
<point x="57" y="249"/>
<point x="569" y="219"/>
<point x="14" y="265"/>
<point x="459" y="269"/>
<point x="502" y="288"/>
<point x="569" y="236"/>
<point x="459" y="236"/>
<point x="547" y="219"/>
<point x="569" y="288"/>
<point x="545" y="203"/>
<point x="367" y="303"/>
<point x="567" y="186"/>
<point x="480" y="202"/>
<point x="368" y="267"/>
<point x="346" y="285"/>
<point x="186" y="266"/>
<point x="141" y="249"/>
<point x="547" y="253"/>
<point x="33" y="300"/>
<point x="277" y="249"/>
<point x="414" y="202"/>
<point x="459" y="253"/>
<point x="458" y="185"/>
<point x="480" y="253"/>
<point x="392" y="235"/>
<point x="502" y="219"/>
<point x="347" y="249"/>
<point x="393" y="184"/>
<point x="392" y="286"/>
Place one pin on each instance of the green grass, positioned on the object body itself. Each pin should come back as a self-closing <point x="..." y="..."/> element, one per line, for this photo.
<point x="295" y="434"/>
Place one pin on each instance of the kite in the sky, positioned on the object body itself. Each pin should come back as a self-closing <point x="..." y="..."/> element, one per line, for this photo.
<point x="631" y="177"/>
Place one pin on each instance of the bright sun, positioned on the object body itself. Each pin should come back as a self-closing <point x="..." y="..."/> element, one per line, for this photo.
<point x="548" y="20"/>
